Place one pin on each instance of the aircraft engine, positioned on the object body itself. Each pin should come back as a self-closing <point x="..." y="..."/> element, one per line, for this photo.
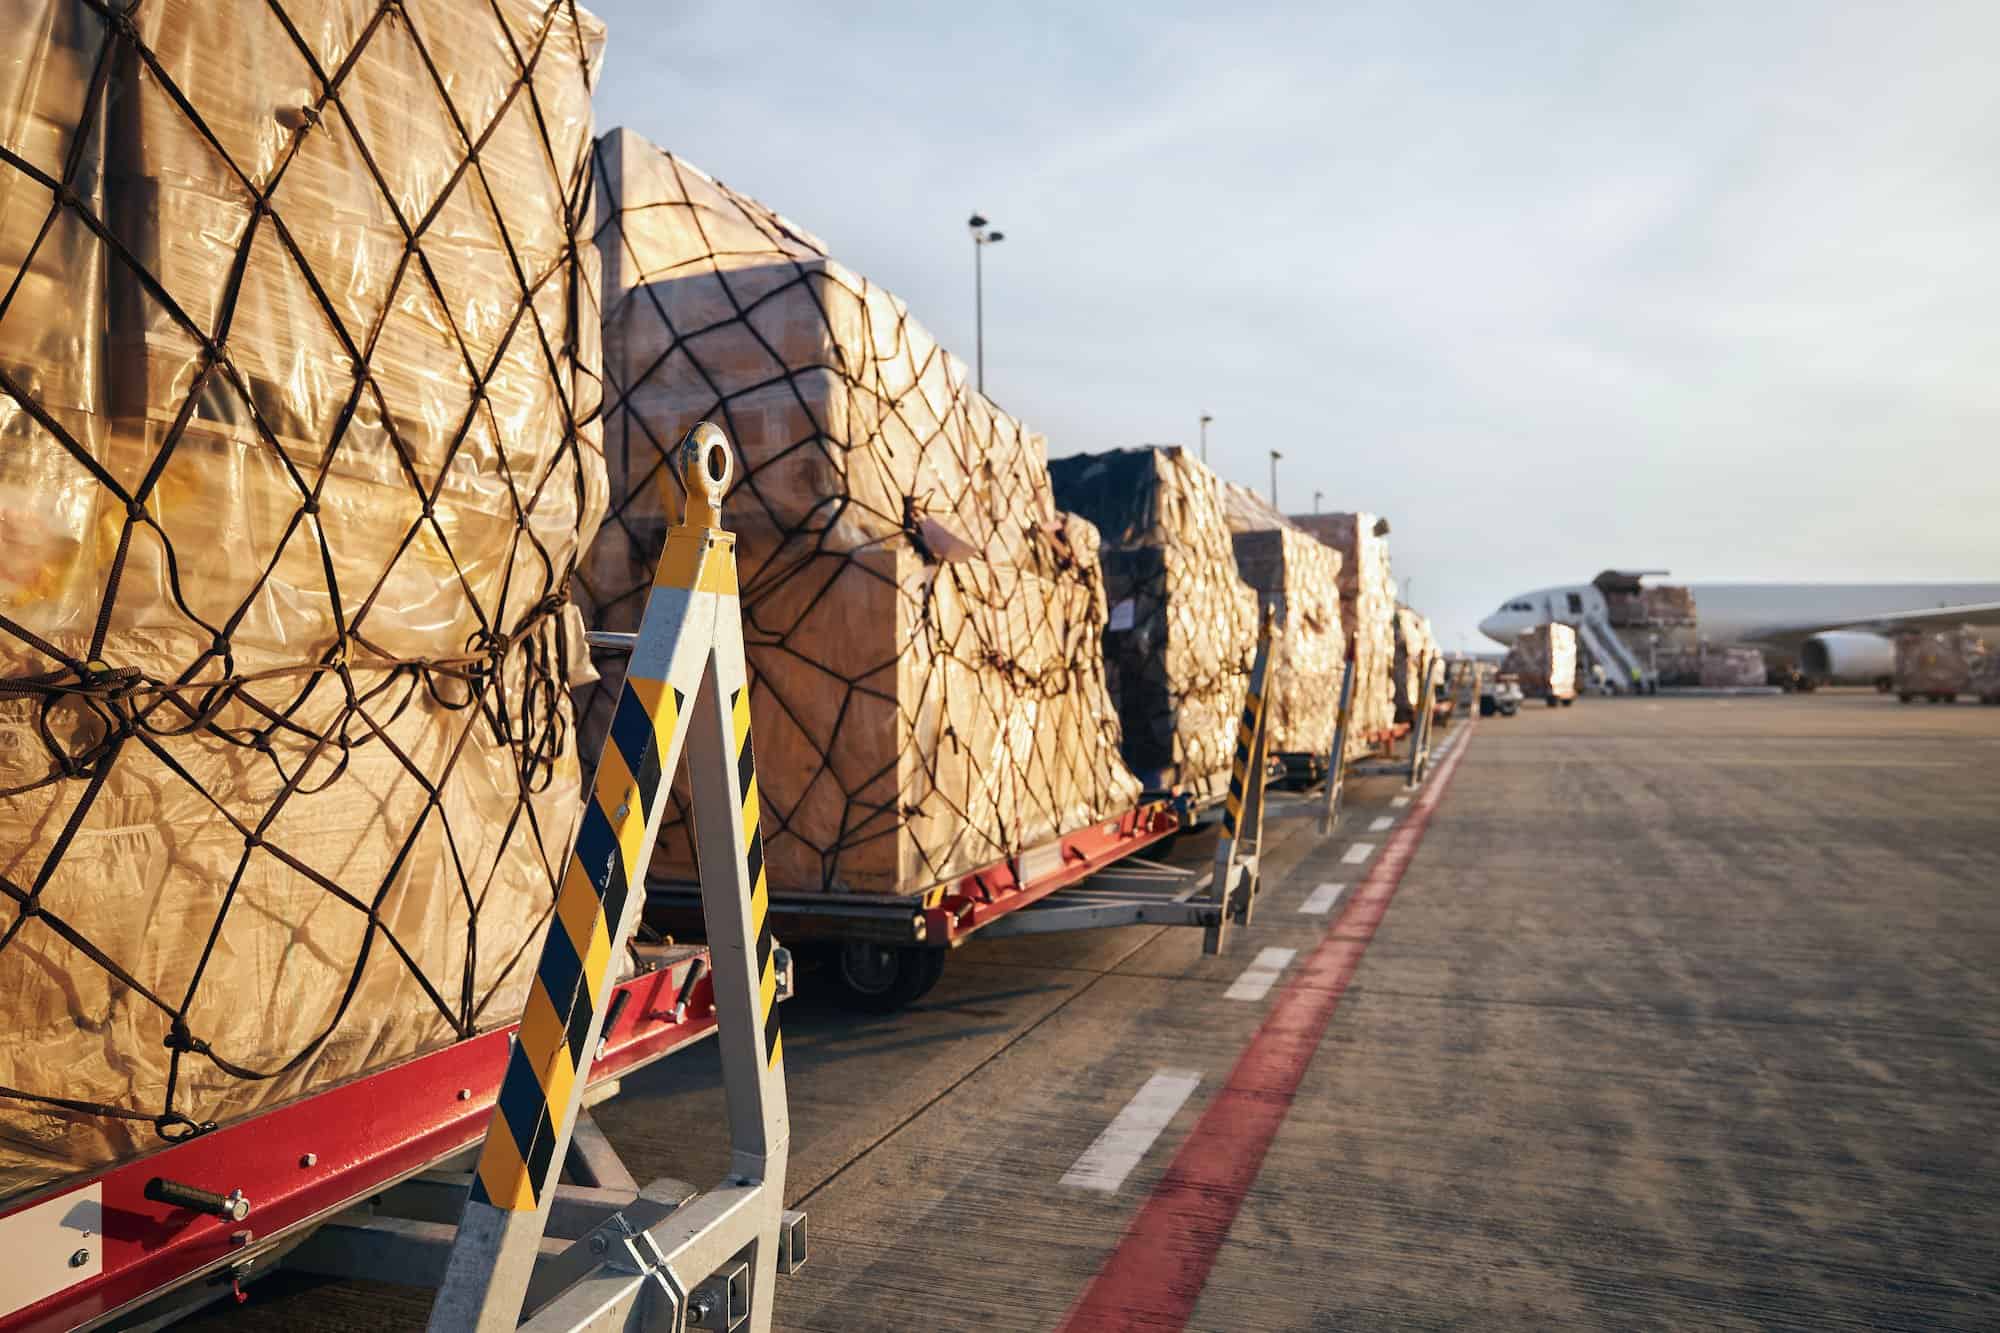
<point x="1849" y="657"/>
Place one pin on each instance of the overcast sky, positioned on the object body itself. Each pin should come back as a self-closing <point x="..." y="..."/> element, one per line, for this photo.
<point x="1559" y="286"/>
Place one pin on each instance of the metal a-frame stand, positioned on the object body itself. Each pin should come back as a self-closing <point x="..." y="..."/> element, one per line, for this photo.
<point x="1412" y="770"/>
<point x="1233" y="888"/>
<point x="669" y="1262"/>
<point x="1336" y="759"/>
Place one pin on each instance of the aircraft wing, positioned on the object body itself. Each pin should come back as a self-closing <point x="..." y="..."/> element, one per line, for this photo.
<point x="1980" y="614"/>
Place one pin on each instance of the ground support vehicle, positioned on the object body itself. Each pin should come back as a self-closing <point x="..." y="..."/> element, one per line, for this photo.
<point x="346" y="1181"/>
<point x="1501" y="698"/>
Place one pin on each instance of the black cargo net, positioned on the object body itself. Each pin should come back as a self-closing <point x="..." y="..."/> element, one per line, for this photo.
<point x="922" y="627"/>
<point x="293" y="483"/>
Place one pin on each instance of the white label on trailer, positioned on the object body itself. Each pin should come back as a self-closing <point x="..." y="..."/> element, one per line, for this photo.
<point x="1036" y="862"/>
<point x="1400" y="801"/>
<point x="1382" y="824"/>
<point x="55" y="1244"/>
<point x="1321" y="900"/>
<point x="1121" y="614"/>
<point x="1123" y="1144"/>
<point x="1358" y="853"/>
<point x="1258" y="978"/>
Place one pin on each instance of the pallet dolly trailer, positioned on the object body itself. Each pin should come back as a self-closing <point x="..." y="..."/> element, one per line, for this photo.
<point x="1339" y="768"/>
<point x="358" y="1180"/>
<point x="888" y="950"/>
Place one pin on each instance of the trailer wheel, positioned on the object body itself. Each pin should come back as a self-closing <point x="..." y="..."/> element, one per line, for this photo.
<point x="1906" y="698"/>
<point x="1554" y="702"/>
<point x="1568" y="702"/>
<point x="882" y="978"/>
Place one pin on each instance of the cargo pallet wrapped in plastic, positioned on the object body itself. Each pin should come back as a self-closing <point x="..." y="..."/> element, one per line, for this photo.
<point x="1544" y="661"/>
<point x="1936" y="665"/>
<point x="1183" y="625"/>
<point x="1416" y="649"/>
<point x="1985" y="680"/>
<point x="1368" y="613"/>
<point x="1298" y="579"/>
<point x="295" y="344"/>
<point x="1733" y="668"/>
<point x="921" y="623"/>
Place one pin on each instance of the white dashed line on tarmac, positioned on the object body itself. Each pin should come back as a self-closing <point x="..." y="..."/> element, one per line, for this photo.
<point x="1358" y="853"/>
<point x="1123" y="1144"/>
<point x="1400" y="801"/>
<point x="1321" y="900"/>
<point x="1258" y="978"/>
<point x="1382" y="824"/>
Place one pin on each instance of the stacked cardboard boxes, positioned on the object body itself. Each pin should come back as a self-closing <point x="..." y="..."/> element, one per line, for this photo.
<point x="1298" y="580"/>
<point x="1544" y="661"/>
<point x="294" y="468"/>
<point x="1416" y="651"/>
<point x="1183" y="626"/>
<point x="923" y="625"/>
<point x="1367" y="613"/>
<point x="1939" y="664"/>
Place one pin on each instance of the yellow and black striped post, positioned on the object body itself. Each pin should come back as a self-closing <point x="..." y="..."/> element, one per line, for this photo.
<point x="1243" y="811"/>
<point x="685" y="684"/>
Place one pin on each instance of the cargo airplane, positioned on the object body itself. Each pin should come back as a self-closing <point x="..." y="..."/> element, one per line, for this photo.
<point x="1838" y="633"/>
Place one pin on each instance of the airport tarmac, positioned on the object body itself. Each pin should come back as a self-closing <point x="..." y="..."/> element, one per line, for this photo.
<point x="1645" y="1013"/>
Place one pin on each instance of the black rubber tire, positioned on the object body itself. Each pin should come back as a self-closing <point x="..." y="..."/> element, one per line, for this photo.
<point x="875" y="978"/>
<point x="1568" y="702"/>
<point x="1906" y="698"/>
<point x="1554" y="702"/>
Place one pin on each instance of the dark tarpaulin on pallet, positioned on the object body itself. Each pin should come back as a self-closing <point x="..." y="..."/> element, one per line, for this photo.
<point x="1183" y="624"/>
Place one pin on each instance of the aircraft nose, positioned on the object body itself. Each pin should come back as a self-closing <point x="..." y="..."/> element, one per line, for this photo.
<point x="1490" y="627"/>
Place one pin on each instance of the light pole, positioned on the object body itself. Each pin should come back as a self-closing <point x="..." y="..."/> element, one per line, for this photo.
<point x="1316" y="495"/>
<point x="1275" y="456"/>
<point x="981" y="238"/>
<point x="1205" y="419"/>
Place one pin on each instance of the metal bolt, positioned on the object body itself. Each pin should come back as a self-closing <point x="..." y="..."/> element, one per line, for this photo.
<point x="310" y="1159"/>
<point x="465" y="1094"/>
<point x="598" y="1245"/>
<point x="79" y="1259"/>
<point x="241" y="1238"/>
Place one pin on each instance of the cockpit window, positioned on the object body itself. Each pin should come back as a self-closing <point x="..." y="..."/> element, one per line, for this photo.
<point x="1519" y="606"/>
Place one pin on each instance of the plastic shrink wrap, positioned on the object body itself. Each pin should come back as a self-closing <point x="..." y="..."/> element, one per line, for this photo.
<point x="1368" y="613"/>
<point x="1183" y="626"/>
<point x="1416" y="649"/>
<point x="921" y="623"/>
<point x="1940" y="662"/>
<point x="292" y="479"/>
<point x="1298" y="578"/>
<point x="1544" y="658"/>
<point x="1732" y="668"/>
<point x="1985" y="680"/>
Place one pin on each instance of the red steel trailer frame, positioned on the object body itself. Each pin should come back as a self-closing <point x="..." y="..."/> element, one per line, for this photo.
<point x="947" y="914"/>
<point x="303" y="1162"/>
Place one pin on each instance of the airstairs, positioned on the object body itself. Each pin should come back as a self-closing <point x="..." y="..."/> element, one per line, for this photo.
<point x="1623" y="671"/>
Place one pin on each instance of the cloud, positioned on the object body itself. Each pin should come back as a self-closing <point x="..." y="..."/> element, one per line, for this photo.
<point x="1557" y="286"/>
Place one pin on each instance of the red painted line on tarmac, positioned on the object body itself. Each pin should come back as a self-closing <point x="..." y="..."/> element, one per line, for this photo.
<point x="1156" y="1274"/>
